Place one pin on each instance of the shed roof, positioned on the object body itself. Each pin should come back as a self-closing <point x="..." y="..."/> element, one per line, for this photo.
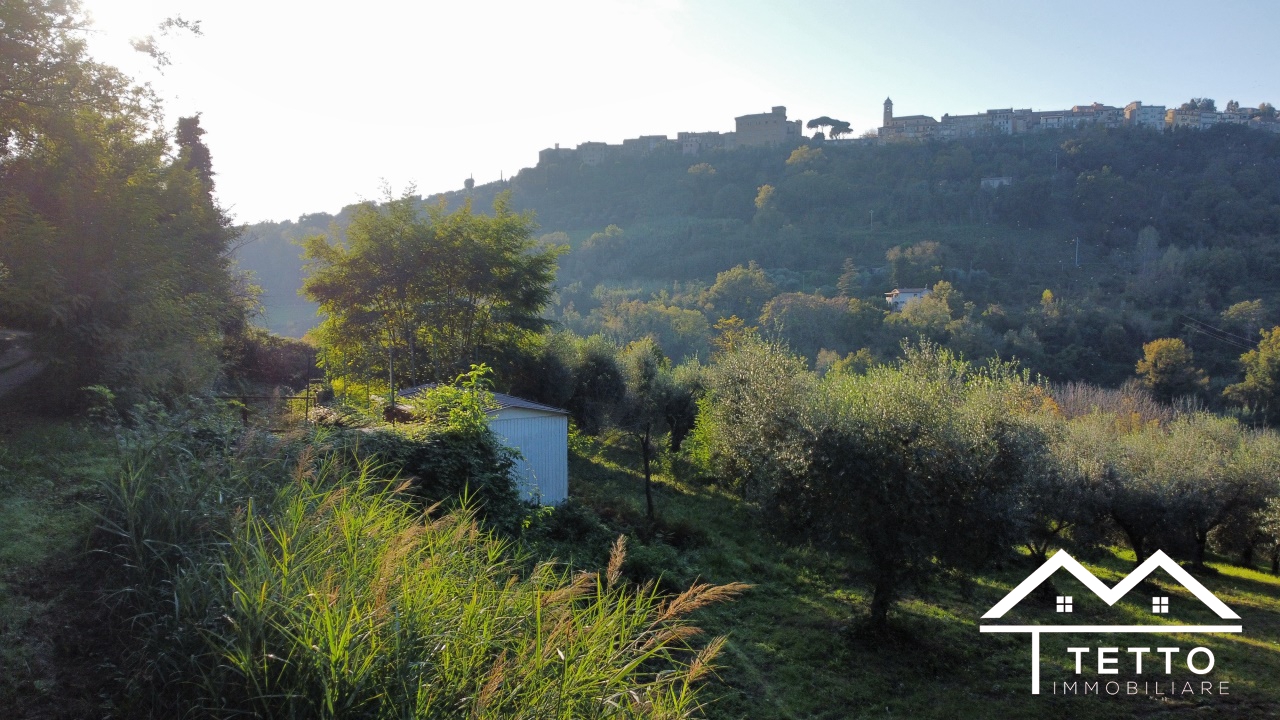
<point x="503" y="400"/>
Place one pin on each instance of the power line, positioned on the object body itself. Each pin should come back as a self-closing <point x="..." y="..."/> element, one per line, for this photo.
<point x="1230" y="342"/>
<point x="1216" y="329"/>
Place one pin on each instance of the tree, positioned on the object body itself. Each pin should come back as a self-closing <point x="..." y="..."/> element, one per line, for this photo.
<point x="918" y="265"/>
<point x="597" y="383"/>
<point x="739" y="291"/>
<point x="1203" y="468"/>
<point x="642" y="412"/>
<point x="441" y="290"/>
<point x="820" y="122"/>
<point x="1168" y="369"/>
<point x="809" y="323"/>
<point x="764" y="197"/>
<point x="838" y="127"/>
<point x="1248" y="315"/>
<point x="849" y="281"/>
<point x="1201" y="104"/>
<point x="117" y="254"/>
<point x="919" y="466"/>
<point x="804" y="158"/>
<point x="1260" y="389"/>
<point x="194" y="153"/>
<point x="1266" y="111"/>
<point x="923" y="465"/>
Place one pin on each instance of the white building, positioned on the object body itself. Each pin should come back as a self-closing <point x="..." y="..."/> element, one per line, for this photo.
<point x="540" y="436"/>
<point x="899" y="297"/>
<point x="1138" y="115"/>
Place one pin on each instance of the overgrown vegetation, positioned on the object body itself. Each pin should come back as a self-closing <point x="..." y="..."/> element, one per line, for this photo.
<point x="287" y="577"/>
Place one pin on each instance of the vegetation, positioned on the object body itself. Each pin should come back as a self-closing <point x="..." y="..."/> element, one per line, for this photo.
<point x="115" y="253"/>
<point x="800" y="645"/>
<point x="439" y="292"/>
<point x="249" y="594"/>
<point x="727" y="357"/>
<point x="1137" y="235"/>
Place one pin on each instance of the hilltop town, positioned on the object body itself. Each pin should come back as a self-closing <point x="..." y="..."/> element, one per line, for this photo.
<point x="1199" y="114"/>
<point x="758" y="130"/>
<point x="774" y="128"/>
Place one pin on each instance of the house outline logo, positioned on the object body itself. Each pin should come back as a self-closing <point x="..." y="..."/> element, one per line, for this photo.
<point x="1110" y="595"/>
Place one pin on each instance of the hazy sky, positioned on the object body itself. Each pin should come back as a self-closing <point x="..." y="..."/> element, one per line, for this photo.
<point x="310" y="106"/>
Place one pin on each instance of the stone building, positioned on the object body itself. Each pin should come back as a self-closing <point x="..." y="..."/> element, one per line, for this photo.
<point x="593" y="153"/>
<point x="909" y="127"/>
<point x="696" y="143"/>
<point x="765" y="129"/>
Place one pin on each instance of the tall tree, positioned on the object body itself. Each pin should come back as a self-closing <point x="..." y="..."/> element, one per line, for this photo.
<point x="424" y="295"/>
<point x="117" y="252"/>
<point x="642" y="412"/>
<point x="1260" y="389"/>
<point x="1168" y="369"/>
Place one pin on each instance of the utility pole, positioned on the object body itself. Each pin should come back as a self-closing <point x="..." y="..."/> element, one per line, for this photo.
<point x="1077" y="252"/>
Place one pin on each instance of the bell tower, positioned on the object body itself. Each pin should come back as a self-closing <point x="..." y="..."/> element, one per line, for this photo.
<point x="888" y="112"/>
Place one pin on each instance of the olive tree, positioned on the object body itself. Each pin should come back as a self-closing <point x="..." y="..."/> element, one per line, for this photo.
<point x="918" y="466"/>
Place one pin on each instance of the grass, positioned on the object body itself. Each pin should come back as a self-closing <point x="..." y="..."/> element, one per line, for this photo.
<point x="48" y="473"/>
<point x="799" y="646"/>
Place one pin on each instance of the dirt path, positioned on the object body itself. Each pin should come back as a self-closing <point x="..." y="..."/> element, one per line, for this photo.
<point x="17" y="364"/>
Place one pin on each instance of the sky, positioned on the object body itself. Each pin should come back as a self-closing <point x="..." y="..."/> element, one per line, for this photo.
<point x="311" y="106"/>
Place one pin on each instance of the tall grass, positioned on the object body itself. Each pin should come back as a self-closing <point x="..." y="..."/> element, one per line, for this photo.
<point x="337" y="596"/>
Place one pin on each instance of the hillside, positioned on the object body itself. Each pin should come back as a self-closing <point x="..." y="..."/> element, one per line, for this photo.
<point x="1135" y="234"/>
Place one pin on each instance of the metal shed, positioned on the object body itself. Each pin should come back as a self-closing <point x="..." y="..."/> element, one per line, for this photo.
<point x="540" y="435"/>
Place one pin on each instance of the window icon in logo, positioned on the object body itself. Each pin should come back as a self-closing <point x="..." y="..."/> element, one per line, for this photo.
<point x="1160" y="605"/>
<point x="1064" y="603"/>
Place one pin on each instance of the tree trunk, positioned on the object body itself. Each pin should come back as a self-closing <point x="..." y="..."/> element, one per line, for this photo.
<point x="1202" y="539"/>
<point x="391" y="378"/>
<point x="1139" y="546"/>
<point x="881" y="601"/>
<point x="1275" y="560"/>
<point x="1246" y="555"/>
<point x="1136" y="541"/>
<point x="645" y="452"/>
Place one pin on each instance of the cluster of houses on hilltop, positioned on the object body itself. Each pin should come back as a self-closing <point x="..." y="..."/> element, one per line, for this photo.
<point x="759" y="130"/>
<point x="773" y="128"/>
<point x="1010" y="121"/>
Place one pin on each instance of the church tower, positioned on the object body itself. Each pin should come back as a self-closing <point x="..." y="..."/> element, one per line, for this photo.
<point x="888" y="112"/>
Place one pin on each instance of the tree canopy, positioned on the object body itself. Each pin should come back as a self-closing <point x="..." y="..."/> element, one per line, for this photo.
<point x="117" y="255"/>
<point x="418" y="295"/>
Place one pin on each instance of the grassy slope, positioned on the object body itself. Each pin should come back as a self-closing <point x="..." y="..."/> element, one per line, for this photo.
<point x="49" y="634"/>
<point x="799" y="648"/>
